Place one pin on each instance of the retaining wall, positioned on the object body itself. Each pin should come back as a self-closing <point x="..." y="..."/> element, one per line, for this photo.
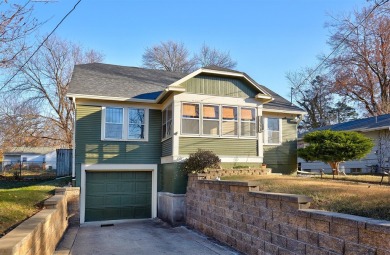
<point x="41" y="233"/>
<point x="254" y="222"/>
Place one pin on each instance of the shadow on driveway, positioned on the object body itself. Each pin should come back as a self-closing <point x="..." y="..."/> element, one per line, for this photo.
<point x="138" y="237"/>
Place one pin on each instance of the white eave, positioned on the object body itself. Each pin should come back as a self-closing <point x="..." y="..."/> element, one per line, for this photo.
<point x="123" y="99"/>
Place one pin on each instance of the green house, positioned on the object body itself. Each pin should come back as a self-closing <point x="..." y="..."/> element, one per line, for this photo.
<point x="134" y="126"/>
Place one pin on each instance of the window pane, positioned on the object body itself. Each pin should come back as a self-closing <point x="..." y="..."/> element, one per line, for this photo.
<point x="136" y="131"/>
<point x="191" y="110"/>
<point x="248" y="114"/>
<point x="190" y="126"/>
<point x="114" y="115"/>
<point x="210" y="127"/>
<point x="248" y="129"/>
<point x="136" y="116"/>
<point x="164" y="116"/>
<point x="273" y="136"/>
<point x="229" y="128"/>
<point x="113" y="131"/>
<point x="210" y="112"/>
<point x="164" y="131"/>
<point x="229" y="113"/>
<point x="169" y="128"/>
<point x="273" y="124"/>
<point x="169" y="112"/>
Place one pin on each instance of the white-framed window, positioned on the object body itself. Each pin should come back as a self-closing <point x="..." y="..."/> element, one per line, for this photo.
<point x="167" y="128"/>
<point x="273" y="130"/>
<point x="218" y="120"/>
<point x="210" y="118"/>
<point x="190" y="119"/>
<point x="248" y="122"/>
<point x="125" y="123"/>
<point x="229" y="121"/>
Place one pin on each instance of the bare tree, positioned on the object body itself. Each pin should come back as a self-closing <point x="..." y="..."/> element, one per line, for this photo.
<point x="45" y="80"/>
<point x="170" y="56"/>
<point x="173" y="56"/>
<point x="360" y="64"/>
<point x="212" y="57"/>
<point x="15" y="24"/>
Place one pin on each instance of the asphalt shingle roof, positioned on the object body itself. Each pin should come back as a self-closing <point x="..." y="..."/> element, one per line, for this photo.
<point x="120" y="81"/>
<point x="381" y="121"/>
<point x="140" y="83"/>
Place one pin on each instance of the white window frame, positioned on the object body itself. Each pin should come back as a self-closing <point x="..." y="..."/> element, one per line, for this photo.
<point x="247" y="121"/>
<point x="189" y="118"/>
<point x="266" y="130"/>
<point x="220" y="120"/>
<point x="125" y="124"/>
<point x="165" y="112"/>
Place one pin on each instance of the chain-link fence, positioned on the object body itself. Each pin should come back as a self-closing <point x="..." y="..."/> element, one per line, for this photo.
<point x="28" y="169"/>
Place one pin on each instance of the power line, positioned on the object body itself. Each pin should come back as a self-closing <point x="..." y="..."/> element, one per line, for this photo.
<point x="40" y="45"/>
<point x="342" y="41"/>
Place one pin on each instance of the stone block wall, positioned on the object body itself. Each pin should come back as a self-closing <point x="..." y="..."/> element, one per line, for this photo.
<point x="211" y="174"/>
<point x="254" y="222"/>
<point x="40" y="233"/>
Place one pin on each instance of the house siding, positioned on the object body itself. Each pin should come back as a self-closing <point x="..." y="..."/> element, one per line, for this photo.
<point x="171" y="178"/>
<point x="220" y="146"/>
<point x="219" y="86"/>
<point x="91" y="149"/>
<point x="283" y="158"/>
<point x="167" y="147"/>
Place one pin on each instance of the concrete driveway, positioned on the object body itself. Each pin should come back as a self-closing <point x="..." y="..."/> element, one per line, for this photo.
<point x="138" y="237"/>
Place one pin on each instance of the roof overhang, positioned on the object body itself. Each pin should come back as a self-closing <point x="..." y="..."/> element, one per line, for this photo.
<point x="285" y="111"/>
<point x="225" y="73"/>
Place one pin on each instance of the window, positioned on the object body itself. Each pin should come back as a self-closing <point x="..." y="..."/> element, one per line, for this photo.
<point x="190" y="119"/>
<point x="273" y="131"/>
<point x="248" y="122"/>
<point x="136" y="123"/>
<point x="125" y="123"/>
<point x="210" y="120"/>
<point x="229" y="121"/>
<point x="167" y="122"/>
<point x="114" y="123"/>
<point x="24" y="159"/>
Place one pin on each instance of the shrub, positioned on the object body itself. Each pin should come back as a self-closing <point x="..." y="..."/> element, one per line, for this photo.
<point x="200" y="160"/>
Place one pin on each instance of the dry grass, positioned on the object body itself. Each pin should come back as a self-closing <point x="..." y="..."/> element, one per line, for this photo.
<point x="363" y="199"/>
<point x="20" y="200"/>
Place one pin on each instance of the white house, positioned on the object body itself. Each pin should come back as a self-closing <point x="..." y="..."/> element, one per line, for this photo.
<point x="46" y="156"/>
<point x="377" y="128"/>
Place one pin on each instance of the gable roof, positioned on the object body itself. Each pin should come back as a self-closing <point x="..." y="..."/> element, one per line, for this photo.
<point x="106" y="81"/>
<point x="367" y="124"/>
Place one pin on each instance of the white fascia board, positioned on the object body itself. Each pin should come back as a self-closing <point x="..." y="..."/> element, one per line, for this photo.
<point x="110" y="98"/>
<point x="209" y="71"/>
<point x="285" y="111"/>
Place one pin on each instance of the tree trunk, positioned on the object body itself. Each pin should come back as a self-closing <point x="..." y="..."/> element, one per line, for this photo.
<point x="335" y="167"/>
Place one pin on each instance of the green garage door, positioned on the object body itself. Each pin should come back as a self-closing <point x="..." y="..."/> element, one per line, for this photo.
<point x="118" y="195"/>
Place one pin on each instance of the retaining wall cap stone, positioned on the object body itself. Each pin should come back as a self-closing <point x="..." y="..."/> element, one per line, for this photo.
<point x="284" y="197"/>
<point x="231" y="183"/>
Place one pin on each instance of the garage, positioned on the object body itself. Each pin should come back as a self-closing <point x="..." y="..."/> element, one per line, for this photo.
<point x="118" y="195"/>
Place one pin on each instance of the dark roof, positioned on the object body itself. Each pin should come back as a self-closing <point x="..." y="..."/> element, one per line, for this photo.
<point x="120" y="81"/>
<point x="142" y="83"/>
<point x="379" y="122"/>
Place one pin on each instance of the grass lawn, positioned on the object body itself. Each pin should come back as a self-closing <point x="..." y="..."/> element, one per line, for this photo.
<point x="357" y="198"/>
<point x="20" y="200"/>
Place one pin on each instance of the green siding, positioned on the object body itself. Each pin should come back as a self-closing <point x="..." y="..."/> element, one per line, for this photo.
<point x="283" y="158"/>
<point x="167" y="147"/>
<point x="219" y="86"/>
<point x="118" y="195"/>
<point x="172" y="179"/>
<point x="91" y="149"/>
<point x="220" y="146"/>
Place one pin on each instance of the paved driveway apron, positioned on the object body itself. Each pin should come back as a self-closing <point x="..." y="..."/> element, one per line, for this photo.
<point x="144" y="237"/>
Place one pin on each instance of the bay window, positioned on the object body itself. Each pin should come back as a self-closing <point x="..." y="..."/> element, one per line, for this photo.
<point x="217" y="120"/>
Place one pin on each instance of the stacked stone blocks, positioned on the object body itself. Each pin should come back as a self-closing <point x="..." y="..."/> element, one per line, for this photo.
<point x="254" y="222"/>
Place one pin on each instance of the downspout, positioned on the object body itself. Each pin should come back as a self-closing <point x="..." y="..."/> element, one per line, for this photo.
<point x="74" y="142"/>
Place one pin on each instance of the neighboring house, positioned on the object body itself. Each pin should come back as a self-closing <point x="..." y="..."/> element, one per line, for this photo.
<point x="376" y="128"/>
<point x="30" y="157"/>
<point x="134" y="126"/>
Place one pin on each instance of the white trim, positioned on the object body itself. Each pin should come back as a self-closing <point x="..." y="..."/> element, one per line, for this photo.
<point x="117" y="167"/>
<point x="74" y="140"/>
<point x="125" y="125"/>
<point x="210" y="71"/>
<point x="284" y="111"/>
<point x="110" y="98"/>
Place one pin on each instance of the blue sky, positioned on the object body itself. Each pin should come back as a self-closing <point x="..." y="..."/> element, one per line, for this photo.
<point x="266" y="37"/>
